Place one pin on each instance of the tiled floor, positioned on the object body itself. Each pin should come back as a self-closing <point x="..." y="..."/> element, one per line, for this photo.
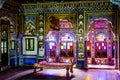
<point x="78" y="74"/>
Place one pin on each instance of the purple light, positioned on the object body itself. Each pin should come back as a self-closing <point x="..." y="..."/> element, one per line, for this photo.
<point x="99" y="48"/>
<point x="102" y="44"/>
<point x="105" y="47"/>
<point x="97" y="44"/>
<point x="114" y="47"/>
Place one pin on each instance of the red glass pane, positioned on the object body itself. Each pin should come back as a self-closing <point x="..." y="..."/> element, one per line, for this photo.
<point x="71" y="47"/>
<point x="88" y="43"/>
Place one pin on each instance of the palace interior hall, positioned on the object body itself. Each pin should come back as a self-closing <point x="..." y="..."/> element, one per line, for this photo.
<point x="60" y="39"/>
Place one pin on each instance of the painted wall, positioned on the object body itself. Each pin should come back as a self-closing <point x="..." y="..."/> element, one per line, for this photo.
<point x="85" y="12"/>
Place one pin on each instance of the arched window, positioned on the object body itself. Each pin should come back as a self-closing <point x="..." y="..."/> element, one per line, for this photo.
<point x="4" y="42"/>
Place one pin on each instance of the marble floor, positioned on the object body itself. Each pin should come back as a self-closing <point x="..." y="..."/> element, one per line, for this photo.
<point x="78" y="74"/>
<point x="90" y="74"/>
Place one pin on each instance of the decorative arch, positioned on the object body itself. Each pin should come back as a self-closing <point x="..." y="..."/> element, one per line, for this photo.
<point x="6" y="18"/>
<point x="100" y="46"/>
<point x="100" y="23"/>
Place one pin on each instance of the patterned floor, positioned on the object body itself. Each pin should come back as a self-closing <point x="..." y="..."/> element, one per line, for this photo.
<point x="59" y="74"/>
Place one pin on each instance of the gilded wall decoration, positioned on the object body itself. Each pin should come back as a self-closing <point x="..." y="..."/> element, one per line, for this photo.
<point x="30" y="29"/>
<point x="80" y="55"/>
<point x="56" y="17"/>
<point x="40" y="32"/>
<point x="81" y="35"/>
<point x="30" y="25"/>
<point x="80" y="25"/>
<point x="41" y="17"/>
<point x="80" y="16"/>
<point x="40" y="24"/>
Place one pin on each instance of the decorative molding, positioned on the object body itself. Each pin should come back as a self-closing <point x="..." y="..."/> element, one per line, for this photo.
<point x="66" y="4"/>
<point x="67" y="7"/>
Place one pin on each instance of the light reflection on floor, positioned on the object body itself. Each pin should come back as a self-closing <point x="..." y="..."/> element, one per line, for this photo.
<point x="91" y="74"/>
<point x="101" y="66"/>
<point x="55" y="72"/>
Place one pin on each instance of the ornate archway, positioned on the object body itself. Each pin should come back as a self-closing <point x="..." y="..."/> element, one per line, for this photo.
<point x="61" y="44"/>
<point x="100" y="45"/>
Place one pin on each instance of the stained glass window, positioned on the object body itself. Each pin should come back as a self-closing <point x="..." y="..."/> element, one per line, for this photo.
<point x="63" y="45"/>
<point x="52" y="45"/>
<point x="70" y="45"/>
<point x="101" y="37"/>
<point x="67" y="37"/>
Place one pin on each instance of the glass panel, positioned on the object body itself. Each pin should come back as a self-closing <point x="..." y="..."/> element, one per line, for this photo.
<point x="52" y="45"/>
<point x="5" y="49"/>
<point x="12" y="44"/>
<point x="70" y="45"/>
<point x="101" y="37"/>
<point x="51" y="38"/>
<point x="29" y="44"/>
<point x="2" y="44"/>
<point x="66" y="37"/>
<point x="2" y="49"/>
<point x="63" y="45"/>
<point x="5" y="44"/>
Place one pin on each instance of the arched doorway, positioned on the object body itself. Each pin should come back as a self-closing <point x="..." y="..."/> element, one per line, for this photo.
<point x="100" y="45"/>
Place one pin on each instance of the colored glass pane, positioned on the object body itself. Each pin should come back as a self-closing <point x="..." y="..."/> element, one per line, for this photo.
<point x="63" y="45"/>
<point x="66" y="37"/>
<point x="101" y="37"/>
<point x="105" y="47"/>
<point x="52" y="45"/>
